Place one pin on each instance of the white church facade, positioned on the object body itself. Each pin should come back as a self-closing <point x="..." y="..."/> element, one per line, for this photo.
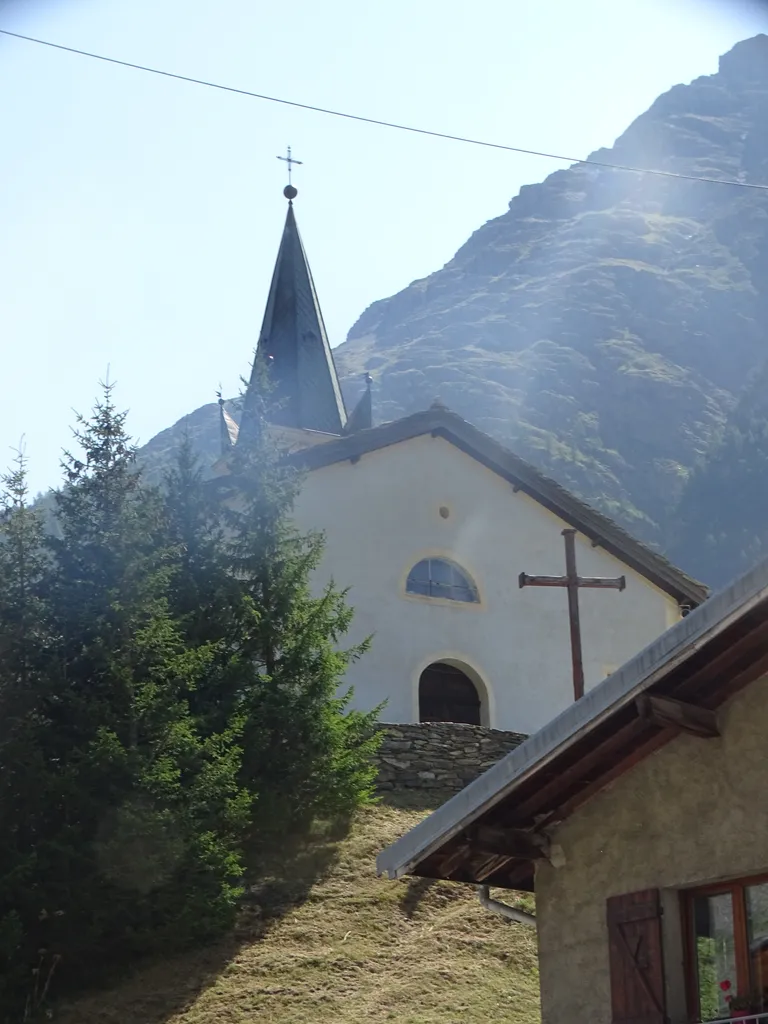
<point x="429" y="523"/>
<point x="431" y="537"/>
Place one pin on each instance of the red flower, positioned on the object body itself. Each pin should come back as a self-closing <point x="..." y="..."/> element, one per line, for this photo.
<point x="725" y="985"/>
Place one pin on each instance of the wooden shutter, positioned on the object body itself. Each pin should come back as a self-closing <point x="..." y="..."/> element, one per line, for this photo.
<point x="636" y="961"/>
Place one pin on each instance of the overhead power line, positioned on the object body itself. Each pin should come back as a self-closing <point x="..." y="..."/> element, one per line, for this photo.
<point x="384" y="124"/>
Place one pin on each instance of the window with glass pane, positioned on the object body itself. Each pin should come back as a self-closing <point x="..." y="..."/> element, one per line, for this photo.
<point x="418" y="579"/>
<point x="757" y="938"/>
<point x="436" y="577"/>
<point x="729" y="950"/>
<point x="714" y="949"/>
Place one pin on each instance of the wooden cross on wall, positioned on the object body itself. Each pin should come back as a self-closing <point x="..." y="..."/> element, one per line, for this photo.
<point x="573" y="582"/>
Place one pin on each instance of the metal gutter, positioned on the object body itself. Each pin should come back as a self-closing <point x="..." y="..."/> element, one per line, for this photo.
<point x="644" y="670"/>
<point x="504" y="909"/>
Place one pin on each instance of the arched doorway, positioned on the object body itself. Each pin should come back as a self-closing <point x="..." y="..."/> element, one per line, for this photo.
<point x="446" y="694"/>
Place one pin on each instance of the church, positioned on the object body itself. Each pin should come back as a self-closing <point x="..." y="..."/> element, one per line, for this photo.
<point x="478" y="578"/>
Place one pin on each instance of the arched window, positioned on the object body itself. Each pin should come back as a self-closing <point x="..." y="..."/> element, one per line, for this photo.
<point x="434" y="577"/>
<point x="446" y="694"/>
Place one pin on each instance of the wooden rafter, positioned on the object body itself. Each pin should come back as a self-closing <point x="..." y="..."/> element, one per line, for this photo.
<point x="717" y="667"/>
<point x="677" y="714"/>
<point x="741" y="679"/>
<point x="509" y="842"/>
<point x="454" y="859"/>
<point x="517" y="875"/>
<point x="654" y="742"/>
<point x="544" y="795"/>
<point x="490" y="867"/>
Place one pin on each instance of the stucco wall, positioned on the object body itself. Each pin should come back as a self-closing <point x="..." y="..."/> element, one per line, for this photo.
<point x="381" y="515"/>
<point x="693" y="812"/>
<point x="444" y="756"/>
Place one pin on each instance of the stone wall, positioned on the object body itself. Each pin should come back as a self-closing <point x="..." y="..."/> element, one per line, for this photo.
<point x="442" y="756"/>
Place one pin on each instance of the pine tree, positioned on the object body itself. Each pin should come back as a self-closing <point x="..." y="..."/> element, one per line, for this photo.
<point x="24" y="642"/>
<point x="202" y="591"/>
<point x="306" y="752"/>
<point x="23" y="568"/>
<point x="196" y="532"/>
<point x="138" y="816"/>
<point x="168" y="682"/>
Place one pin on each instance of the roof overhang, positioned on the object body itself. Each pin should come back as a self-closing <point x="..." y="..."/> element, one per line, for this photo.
<point x="703" y="660"/>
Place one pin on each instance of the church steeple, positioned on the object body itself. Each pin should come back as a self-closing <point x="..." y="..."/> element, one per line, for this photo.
<point x="294" y="348"/>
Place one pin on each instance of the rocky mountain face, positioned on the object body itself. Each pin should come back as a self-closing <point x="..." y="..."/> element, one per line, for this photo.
<point x="610" y="325"/>
<point x="605" y="325"/>
<point x="721" y="524"/>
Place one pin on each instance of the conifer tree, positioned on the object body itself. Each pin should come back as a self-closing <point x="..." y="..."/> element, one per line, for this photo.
<point x="305" y="751"/>
<point x="168" y="681"/>
<point x="138" y="816"/>
<point x="202" y="591"/>
<point x="25" y="638"/>
<point x="196" y="533"/>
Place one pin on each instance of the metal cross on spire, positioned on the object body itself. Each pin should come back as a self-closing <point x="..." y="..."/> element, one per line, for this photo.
<point x="290" y="161"/>
<point x="573" y="582"/>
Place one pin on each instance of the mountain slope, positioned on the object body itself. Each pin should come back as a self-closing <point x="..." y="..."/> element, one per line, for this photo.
<point x="606" y="325"/>
<point x="327" y="941"/>
<point x="721" y="523"/>
<point x="606" y="322"/>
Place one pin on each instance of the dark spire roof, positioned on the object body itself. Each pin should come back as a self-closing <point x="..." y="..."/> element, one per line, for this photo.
<point x="361" y="417"/>
<point x="294" y="346"/>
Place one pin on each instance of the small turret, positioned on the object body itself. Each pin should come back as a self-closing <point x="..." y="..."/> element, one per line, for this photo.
<point x="228" y="429"/>
<point x="361" y="417"/>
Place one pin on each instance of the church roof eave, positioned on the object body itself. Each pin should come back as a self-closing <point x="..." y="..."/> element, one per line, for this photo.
<point x="600" y="529"/>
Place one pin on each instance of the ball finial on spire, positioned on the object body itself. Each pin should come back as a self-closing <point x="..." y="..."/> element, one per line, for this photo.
<point x="290" y="192"/>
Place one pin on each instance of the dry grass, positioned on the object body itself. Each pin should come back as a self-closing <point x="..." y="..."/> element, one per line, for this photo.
<point x="327" y="941"/>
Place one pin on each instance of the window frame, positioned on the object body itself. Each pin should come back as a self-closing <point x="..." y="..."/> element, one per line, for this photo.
<point x="737" y="888"/>
<point x="469" y="586"/>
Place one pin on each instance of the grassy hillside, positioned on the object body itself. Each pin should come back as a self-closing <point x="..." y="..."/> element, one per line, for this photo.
<point x="323" y="940"/>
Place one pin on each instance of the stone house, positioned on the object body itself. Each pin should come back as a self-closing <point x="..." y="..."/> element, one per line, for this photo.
<point x="638" y="817"/>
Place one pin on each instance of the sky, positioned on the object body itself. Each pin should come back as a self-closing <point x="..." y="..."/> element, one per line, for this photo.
<point x="140" y="216"/>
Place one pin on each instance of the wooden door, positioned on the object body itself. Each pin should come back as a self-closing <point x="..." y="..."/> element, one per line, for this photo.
<point x="636" y="960"/>
<point x="446" y="694"/>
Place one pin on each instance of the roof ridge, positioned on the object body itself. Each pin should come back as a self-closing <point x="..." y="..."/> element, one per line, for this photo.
<point x="610" y="523"/>
<point x="547" y="491"/>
